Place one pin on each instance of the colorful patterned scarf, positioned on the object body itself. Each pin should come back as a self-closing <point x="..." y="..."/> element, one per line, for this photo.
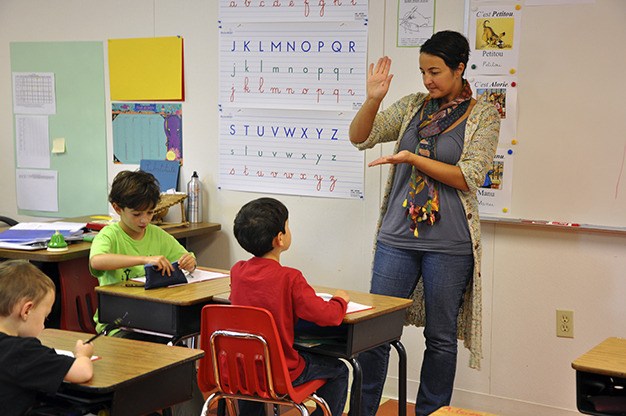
<point x="433" y="120"/>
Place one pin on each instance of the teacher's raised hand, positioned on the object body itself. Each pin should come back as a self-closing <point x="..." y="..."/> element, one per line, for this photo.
<point x="379" y="79"/>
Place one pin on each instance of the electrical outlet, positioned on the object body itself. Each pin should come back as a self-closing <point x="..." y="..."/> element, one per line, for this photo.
<point x="564" y="323"/>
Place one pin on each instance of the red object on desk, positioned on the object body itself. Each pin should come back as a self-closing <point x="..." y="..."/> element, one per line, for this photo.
<point x="96" y="226"/>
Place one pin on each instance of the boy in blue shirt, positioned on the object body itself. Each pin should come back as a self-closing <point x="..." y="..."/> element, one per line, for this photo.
<point x="262" y="228"/>
<point x="26" y="366"/>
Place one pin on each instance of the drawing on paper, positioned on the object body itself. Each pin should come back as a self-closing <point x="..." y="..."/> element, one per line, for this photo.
<point x="494" y="33"/>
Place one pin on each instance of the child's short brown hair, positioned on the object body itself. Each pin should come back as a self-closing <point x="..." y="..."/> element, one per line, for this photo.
<point x="21" y="280"/>
<point x="136" y="190"/>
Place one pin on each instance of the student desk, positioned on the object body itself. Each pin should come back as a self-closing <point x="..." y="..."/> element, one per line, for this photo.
<point x="361" y="331"/>
<point x="134" y="377"/>
<point x="76" y="259"/>
<point x="601" y="378"/>
<point x="77" y="250"/>
<point x="368" y="329"/>
<point x="169" y="310"/>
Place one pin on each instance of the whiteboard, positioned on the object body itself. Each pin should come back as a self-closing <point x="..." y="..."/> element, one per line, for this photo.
<point x="570" y="157"/>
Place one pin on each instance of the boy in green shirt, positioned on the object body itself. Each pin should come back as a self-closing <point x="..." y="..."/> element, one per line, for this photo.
<point x="120" y="250"/>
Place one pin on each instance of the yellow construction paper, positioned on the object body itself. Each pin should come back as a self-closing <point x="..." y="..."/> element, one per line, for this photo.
<point x="146" y="69"/>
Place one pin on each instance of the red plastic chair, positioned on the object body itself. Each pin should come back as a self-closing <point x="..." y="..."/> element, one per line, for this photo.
<point x="245" y="360"/>
<point x="78" y="295"/>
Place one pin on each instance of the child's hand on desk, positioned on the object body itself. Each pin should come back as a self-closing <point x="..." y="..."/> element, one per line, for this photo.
<point x="83" y="350"/>
<point x="161" y="263"/>
<point x="342" y="294"/>
<point x="187" y="262"/>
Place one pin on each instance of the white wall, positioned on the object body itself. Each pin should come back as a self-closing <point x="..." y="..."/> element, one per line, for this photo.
<point x="527" y="273"/>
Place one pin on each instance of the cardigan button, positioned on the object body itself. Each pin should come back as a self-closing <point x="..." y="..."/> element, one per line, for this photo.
<point x="469" y="216"/>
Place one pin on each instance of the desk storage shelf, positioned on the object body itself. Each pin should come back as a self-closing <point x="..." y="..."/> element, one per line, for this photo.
<point x="601" y="379"/>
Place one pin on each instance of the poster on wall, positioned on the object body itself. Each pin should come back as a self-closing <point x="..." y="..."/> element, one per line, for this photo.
<point x="34" y="93"/>
<point x="240" y="11"/>
<point x="501" y="92"/>
<point x="147" y="131"/>
<point x="272" y="66"/>
<point x="292" y="76"/>
<point x="416" y="22"/>
<point x="494" y="196"/>
<point x="304" y="153"/>
<point x="494" y="37"/>
<point x="36" y="189"/>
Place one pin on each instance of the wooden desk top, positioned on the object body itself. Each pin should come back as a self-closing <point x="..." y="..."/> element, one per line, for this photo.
<point x="607" y="358"/>
<point x="382" y="305"/>
<point x="81" y="248"/>
<point x="121" y="360"/>
<point x="183" y="295"/>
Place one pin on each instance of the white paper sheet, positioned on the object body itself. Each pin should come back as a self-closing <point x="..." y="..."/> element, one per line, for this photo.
<point x="352" y="306"/>
<point x="32" y="143"/>
<point x="34" y="93"/>
<point x="195" y="277"/>
<point x="50" y="226"/>
<point x="37" y="190"/>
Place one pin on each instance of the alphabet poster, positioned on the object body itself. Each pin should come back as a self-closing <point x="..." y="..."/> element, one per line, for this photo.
<point x="304" y="153"/>
<point x="292" y="76"/>
<point x="282" y="65"/>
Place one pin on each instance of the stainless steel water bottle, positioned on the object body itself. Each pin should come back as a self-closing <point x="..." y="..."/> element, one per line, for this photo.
<point x="194" y="199"/>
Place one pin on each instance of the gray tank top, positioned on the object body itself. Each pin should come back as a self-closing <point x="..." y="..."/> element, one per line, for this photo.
<point x="450" y="234"/>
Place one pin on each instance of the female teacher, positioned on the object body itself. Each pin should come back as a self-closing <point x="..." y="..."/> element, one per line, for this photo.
<point x="428" y="240"/>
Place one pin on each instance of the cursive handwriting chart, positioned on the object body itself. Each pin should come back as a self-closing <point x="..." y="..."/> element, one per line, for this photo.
<point x="292" y="76"/>
<point x="293" y="10"/>
<point x="270" y="66"/>
<point x="302" y="153"/>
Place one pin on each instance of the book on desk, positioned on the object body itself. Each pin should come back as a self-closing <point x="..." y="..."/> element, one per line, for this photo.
<point x="35" y="235"/>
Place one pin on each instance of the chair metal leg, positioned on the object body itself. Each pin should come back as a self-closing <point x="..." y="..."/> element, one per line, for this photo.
<point x="221" y="407"/>
<point x="321" y="403"/>
<point x="231" y="407"/>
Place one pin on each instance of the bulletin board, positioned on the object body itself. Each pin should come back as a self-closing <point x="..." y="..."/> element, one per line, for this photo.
<point x="80" y="119"/>
<point x="571" y="142"/>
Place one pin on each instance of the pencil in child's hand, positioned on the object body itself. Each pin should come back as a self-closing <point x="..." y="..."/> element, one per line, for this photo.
<point x="93" y="338"/>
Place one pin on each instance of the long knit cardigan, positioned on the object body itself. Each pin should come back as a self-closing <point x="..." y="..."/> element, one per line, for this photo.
<point x="479" y="147"/>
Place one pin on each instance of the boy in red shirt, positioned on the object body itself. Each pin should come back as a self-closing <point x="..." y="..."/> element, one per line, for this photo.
<point x="262" y="228"/>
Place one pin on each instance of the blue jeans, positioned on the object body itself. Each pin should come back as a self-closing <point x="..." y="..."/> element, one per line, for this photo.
<point x="445" y="277"/>
<point x="317" y="366"/>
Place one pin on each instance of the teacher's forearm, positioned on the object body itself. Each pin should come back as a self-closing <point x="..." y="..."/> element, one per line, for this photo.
<point x="362" y="123"/>
<point x="445" y="173"/>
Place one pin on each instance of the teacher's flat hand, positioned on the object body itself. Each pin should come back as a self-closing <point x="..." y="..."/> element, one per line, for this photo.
<point x="401" y="157"/>
<point x="379" y="79"/>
